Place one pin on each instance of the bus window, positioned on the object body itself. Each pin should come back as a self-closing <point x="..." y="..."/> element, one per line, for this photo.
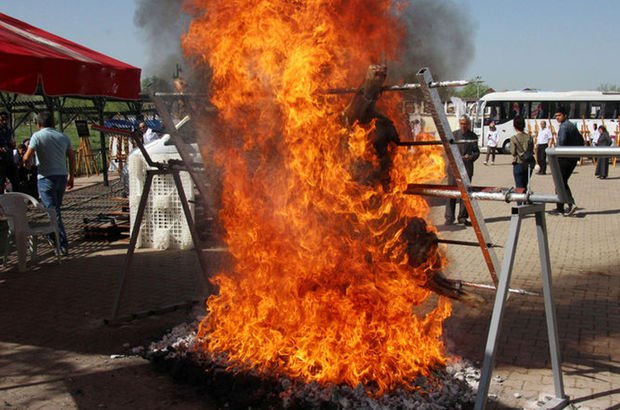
<point x="504" y="113"/>
<point x="493" y="114"/>
<point x="595" y="109"/>
<point x="525" y="110"/>
<point x="612" y="109"/>
<point x="537" y="110"/>
<point x="516" y="108"/>
<point x="573" y="109"/>
<point x="582" y="109"/>
<point x="497" y="112"/>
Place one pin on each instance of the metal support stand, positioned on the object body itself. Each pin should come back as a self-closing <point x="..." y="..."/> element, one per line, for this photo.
<point x="518" y="213"/>
<point x="465" y="191"/>
<point x="172" y="168"/>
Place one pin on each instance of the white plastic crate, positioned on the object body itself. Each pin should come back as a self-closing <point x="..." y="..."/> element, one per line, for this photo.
<point x="163" y="225"/>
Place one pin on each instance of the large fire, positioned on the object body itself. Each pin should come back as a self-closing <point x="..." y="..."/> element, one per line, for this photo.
<point x="322" y="285"/>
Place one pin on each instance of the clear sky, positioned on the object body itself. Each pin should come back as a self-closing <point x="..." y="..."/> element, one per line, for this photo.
<point x="547" y="44"/>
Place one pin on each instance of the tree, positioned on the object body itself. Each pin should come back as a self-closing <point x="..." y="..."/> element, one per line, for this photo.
<point x="474" y="90"/>
<point x="608" y="87"/>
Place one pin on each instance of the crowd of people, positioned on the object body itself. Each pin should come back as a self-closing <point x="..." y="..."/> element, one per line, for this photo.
<point x="43" y="166"/>
<point x="527" y="154"/>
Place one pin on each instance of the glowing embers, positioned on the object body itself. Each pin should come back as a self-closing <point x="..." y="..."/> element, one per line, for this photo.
<point x="322" y="286"/>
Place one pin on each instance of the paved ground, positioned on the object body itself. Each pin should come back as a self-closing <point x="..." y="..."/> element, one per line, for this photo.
<point x="55" y="350"/>
<point x="586" y="275"/>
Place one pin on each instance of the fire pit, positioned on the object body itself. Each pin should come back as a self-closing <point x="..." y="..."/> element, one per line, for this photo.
<point x="334" y="266"/>
<point x="451" y="387"/>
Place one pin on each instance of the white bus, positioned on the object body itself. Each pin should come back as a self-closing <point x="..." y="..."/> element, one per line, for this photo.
<point x="585" y="108"/>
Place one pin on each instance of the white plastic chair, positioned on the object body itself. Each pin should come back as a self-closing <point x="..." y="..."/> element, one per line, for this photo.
<point x="18" y="207"/>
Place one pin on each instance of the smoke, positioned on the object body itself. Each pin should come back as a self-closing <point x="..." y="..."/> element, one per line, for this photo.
<point x="162" y="22"/>
<point x="440" y="35"/>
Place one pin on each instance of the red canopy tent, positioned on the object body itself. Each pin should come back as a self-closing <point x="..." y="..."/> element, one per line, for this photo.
<point x="31" y="58"/>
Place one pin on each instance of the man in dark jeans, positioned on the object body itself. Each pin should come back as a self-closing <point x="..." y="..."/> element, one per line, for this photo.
<point x="470" y="153"/>
<point x="53" y="149"/>
<point x="568" y="135"/>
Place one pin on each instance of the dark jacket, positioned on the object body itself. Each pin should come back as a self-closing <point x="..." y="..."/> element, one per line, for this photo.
<point x="604" y="140"/>
<point x="469" y="151"/>
<point x="569" y="135"/>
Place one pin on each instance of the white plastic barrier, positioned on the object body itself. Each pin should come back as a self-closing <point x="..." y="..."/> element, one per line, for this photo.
<point x="163" y="225"/>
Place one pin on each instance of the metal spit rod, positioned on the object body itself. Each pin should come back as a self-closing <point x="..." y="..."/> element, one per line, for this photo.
<point x="509" y="194"/>
<point x="492" y="287"/>
<point x="403" y="87"/>
<point x="480" y="193"/>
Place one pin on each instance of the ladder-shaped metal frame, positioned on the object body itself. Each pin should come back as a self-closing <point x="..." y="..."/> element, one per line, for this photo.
<point x="455" y="162"/>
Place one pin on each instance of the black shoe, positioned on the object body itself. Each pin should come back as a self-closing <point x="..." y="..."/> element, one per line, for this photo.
<point x="448" y="222"/>
<point x="571" y="211"/>
<point x="556" y="212"/>
<point x="465" y="222"/>
<point x="64" y="251"/>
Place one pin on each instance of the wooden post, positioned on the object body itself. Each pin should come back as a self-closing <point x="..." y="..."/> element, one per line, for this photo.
<point x="554" y="134"/>
<point x="585" y="131"/>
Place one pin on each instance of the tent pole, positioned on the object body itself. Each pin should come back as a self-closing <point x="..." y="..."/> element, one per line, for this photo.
<point x="100" y="104"/>
<point x="60" y="102"/>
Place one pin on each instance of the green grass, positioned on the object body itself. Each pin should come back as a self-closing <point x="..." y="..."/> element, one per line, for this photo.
<point x="24" y="131"/>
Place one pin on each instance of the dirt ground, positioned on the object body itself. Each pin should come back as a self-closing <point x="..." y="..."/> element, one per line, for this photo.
<point x="56" y="352"/>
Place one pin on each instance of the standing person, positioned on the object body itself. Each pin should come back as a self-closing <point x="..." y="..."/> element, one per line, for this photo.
<point x="595" y="135"/>
<point x="568" y="135"/>
<point x="469" y="153"/>
<point x="7" y="145"/>
<point x="52" y="149"/>
<point x="522" y="150"/>
<point x="26" y="173"/>
<point x="492" y="141"/>
<point x="602" y="165"/>
<point x="148" y="135"/>
<point x="542" y="143"/>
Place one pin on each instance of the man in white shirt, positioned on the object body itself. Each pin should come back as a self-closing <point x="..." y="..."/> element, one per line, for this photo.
<point x="492" y="141"/>
<point x="542" y="142"/>
<point x="595" y="135"/>
<point x="148" y="135"/>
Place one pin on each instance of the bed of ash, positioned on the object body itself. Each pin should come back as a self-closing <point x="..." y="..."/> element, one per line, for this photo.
<point x="452" y="387"/>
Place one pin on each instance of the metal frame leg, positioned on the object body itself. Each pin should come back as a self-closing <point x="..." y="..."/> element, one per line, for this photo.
<point x="192" y="229"/>
<point x="132" y="242"/>
<point x="500" y="303"/>
<point x="498" y="308"/>
<point x="561" y="400"/>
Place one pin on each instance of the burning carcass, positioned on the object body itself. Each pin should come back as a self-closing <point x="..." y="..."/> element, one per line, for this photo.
<point x="331" y="259"/>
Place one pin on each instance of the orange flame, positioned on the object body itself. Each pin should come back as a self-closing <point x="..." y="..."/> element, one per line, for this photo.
<point x="321" y="287"/>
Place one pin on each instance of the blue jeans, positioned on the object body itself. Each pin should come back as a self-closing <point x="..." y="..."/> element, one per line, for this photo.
<point x="51" y="191"/>
<point x="520" y="172"/>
